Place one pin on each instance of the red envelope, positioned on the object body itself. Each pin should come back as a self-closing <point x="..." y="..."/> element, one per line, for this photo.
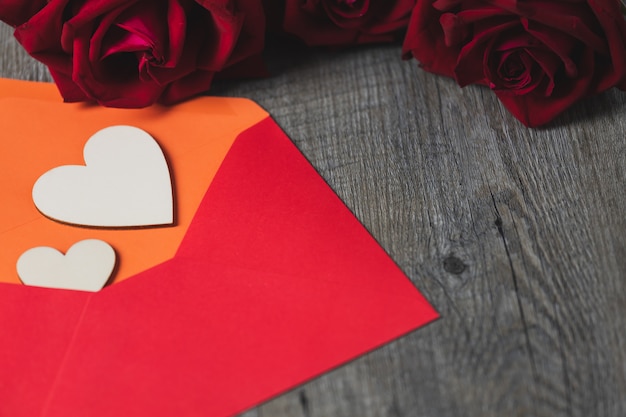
<point x="274" y="282"/>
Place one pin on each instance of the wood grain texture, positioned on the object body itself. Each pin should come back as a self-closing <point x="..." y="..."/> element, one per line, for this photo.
<point x="517" y="236"/>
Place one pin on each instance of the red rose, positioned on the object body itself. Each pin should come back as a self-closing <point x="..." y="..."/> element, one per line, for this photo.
<point x="132" y="53"/>
<point x="345" y="22"/>
<point x="539" y="57"/>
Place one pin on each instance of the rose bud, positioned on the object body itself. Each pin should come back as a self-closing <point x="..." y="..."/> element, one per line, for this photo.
<point x="133" y="53"/>
<point x="539" y="57"/>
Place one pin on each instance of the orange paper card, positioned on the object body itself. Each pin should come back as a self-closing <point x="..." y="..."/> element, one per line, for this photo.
<point x="264" y="280"/>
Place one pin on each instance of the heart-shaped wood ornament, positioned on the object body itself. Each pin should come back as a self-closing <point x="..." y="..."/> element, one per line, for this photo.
<point x="125" y="183"/>
<point x="86" y="266"/>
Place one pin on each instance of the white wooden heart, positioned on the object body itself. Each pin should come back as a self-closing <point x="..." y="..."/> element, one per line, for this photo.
<point x="125" y="182"/>
<point x="86" y="266"/>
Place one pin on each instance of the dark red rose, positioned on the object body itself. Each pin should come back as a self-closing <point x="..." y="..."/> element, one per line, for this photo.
<point x="132" y="53"/>
<point x="346" y="22"/>
<point x="539" y="57"/>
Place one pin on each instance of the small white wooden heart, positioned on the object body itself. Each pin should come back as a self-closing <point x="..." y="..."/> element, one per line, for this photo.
<point x="125" y="182"/>
<point x="86" y="266"/>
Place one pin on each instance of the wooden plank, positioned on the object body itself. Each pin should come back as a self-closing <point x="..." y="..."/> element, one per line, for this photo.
<point x="517" y="236"/>
<point x="15" y="63"/>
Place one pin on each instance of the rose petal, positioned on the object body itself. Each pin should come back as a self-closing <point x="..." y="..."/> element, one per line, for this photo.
<point x="93" y="56"/>
<point x="549" y="64"/>
<point x="177" y="25"/>
<point x="83" y="12"/>
<point x="17" y="12"/>
<point x="474" y="55"/>
<point x="572" y="18"/>
<point x="535" y="110"/>
<point x="345" y="9"/>
<point x="455" y="30"/>
<point x="424" y="41"/>
<point x="612" y="68"/>
<point x="485" y="15"/>
<point x="194" y="83"/>
<point x="514" y="71"/>
<point x="446" y="5"/>
<point x="48" y="21"/>
<point x="543" y="56"/>
<point x="311" y="6"/>
<point x="223" y="28"/>
<point x="326" y="22"/>
<point x="121" y="41"/>
<point x="144" y="22"/>
<point x="67" y="87"/>
<point x="556" y="41"/>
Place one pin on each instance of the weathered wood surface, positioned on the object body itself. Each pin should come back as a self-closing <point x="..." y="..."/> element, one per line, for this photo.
<point x="517" y="236"/>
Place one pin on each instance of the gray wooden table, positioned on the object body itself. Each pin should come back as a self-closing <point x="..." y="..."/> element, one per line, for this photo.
<point x="517" y="236"/>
